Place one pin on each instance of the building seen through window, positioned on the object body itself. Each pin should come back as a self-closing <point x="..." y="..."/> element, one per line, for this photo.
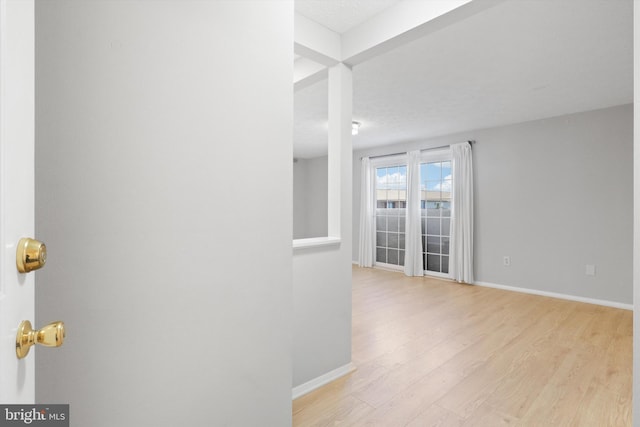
<point x="435" y="204"/>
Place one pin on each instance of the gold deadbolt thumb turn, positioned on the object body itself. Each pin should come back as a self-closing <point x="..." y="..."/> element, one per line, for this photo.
<point x="51" y="335"/>
<point x="30" y="255"/>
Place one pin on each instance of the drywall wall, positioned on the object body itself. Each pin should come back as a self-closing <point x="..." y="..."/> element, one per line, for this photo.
<point x="321" y="311"/>
<point x="310" y="188"/>
<point x="554" y="195"/>
<point x="636" y="215"/>
<point x="170" y="266"/>
<point x="300" y="208"/>
<point x="322" y="275"/>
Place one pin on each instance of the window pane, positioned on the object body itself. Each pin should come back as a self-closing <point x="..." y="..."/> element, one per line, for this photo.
<point x="433" y="263"/>
<point x="445" y="245"/>
<point x="392" y="256"/>
<point x="402" y="176"/>
<point x="391" y="197"/>
<point x="445" y="264"/>
<point x="394" y="176"/>
<point x="392" y="240"/>
<point x="434" y="171"/>
<point x="436" y="187"/>
<point x="433" y="244"/>
<point x="393" y="223"/>
<point x="433" y="186"/>
<point x="381" y="178"/>
<point x="381" y="196"/>
<point x="446" y="226"/>
<point x="446" y="170"/>
<point x="433" y="226"/>
<point x="401" y="240"/>
<point x="446" y="188"/>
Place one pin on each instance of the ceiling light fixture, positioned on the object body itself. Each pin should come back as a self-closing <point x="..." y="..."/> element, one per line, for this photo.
<point x="355" y="127"/>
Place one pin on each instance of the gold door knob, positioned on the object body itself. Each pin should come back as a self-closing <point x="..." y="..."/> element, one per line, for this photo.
<point x="51" y="335"/>
<point x="30" y="255"/>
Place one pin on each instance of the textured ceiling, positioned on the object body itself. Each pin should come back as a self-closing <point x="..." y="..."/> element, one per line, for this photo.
<point x="341" y="15"/>
<point x="517" y="61"/>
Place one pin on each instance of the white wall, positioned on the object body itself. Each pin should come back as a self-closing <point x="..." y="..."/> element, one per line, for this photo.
<point x="554" y="195"/>
<point x="322" y="275"/>
<point x="636" y="214"/>
<point x="322" y="311"/>
<point x="322" y="300"/>
<point x="300" y="209"/>
<point x="171" y="269"/>
<point x="310" y="189"/>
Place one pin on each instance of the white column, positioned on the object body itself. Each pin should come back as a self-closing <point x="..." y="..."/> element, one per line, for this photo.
<point x="340" y="117"/>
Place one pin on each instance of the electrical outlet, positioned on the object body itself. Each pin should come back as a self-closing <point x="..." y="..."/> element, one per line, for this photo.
<point x="590" y="270"/>
<point x="506" y="261"/>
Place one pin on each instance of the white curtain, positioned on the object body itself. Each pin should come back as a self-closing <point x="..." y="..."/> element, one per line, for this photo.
<point x="413" y="228"/>
<point x="461" y="245"/>
<point x="367" y="231"/>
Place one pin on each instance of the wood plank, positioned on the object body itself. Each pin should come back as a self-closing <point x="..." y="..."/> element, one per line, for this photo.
<point x="338" y="413"/>
<point x="436" y="353"/>
<point x="436" y="416"/>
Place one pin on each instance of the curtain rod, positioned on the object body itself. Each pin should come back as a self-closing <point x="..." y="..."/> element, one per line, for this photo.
<point x="425" y="149"/>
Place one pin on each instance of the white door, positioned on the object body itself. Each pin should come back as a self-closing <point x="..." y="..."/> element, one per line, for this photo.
<point x="17" y="384"/>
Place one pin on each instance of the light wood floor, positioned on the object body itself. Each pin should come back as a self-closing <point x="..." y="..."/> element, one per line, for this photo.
<point x="437" y="353"/>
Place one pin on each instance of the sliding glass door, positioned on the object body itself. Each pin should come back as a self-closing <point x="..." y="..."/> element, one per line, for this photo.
<point x="390" y="212"/>
<point x="435" y="189"/>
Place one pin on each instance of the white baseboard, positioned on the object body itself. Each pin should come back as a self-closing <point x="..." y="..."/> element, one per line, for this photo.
<point x="557" y="295"/>
<point x="318" y="382"/>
